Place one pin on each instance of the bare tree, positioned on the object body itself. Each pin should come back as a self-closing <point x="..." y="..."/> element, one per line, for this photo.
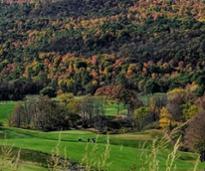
<point x="44" y="114"/>
<point x="195" y="135"/>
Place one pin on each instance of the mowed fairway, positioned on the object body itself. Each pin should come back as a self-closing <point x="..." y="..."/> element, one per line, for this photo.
<point x="112" y="108"/>
<point x="126" y="151"/>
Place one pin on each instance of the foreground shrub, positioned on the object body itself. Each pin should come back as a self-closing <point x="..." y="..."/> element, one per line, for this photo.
<point x="8" y="159"/>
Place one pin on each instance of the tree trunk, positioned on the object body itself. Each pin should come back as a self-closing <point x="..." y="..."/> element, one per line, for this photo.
<point x="202" y="156"/>
<point x="129" y="112"/>
<point x="118" y="108"/>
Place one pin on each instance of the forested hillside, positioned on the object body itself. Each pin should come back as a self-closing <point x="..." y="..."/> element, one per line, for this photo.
<point x="80" y="46"/>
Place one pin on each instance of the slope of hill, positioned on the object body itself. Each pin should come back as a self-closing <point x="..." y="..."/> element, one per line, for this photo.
<point x="79" y="46"/>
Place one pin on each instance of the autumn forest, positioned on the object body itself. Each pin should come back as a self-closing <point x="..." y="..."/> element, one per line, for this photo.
<point x="102" y="85"/>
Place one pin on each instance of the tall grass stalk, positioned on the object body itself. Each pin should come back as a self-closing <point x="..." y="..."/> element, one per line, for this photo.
<point x="103" y="160"/>
<point x="150" y="158"/>
<point x="172" y="157"/>
<point x="196" y="164"/>
<point x="56" y="162"/>
<point x="92" y="162"/>
<point x="8" y="159"/>
<point x="153" y="162"/>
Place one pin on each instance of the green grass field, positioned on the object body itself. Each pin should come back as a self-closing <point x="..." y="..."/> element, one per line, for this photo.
<point x="125" y="149"/>
<point x="6" y="109"/>
<point x="29" y="166"/>
<point x="112" y="108"/>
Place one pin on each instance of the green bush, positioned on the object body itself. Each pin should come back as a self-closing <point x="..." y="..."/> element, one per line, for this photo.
<point x="141" y="117"/>
<point x="48" y="91"/>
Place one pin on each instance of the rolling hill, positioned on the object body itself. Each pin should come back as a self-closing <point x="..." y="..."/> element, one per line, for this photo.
<point x="80" y="46"/>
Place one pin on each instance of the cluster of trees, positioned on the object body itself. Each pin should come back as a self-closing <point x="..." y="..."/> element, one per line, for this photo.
<point x="82" y="8"/>
<point x="42" y="113"/>
<point x="161" y="110"/>
<point x="67" y="112"/>
<point x="166" y="110"/>
<point x="71" y="8"/>
<point x="169" y="8"/>
<point x="102" y="43"/>
<point x="18" y="89"/>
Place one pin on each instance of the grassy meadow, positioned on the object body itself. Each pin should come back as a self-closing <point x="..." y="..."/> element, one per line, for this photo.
<point x="125" y="150"/>
<point x="128" y="151"/>
<point x="6" y="109"/>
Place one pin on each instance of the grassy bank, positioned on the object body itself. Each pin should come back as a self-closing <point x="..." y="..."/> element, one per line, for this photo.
<point x="125" y="149"/>
<point x="128" y="151"/>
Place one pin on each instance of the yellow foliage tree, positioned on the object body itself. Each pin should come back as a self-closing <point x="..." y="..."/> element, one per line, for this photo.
<point x="165" y="118"/>
<point x="65" y="98"/>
